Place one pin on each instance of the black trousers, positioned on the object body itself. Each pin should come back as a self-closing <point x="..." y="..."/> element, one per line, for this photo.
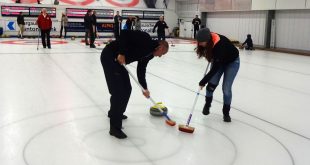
<point x="61" y="29"/>
<point x="91" y="34"/>
<point x="195" y="30"/>
<point x="87" y="31"/>
<point x="46" y="34"/>
<point x="161" y="36"/>
<point x="117" y="32"/>
<point x="119" y="86"/>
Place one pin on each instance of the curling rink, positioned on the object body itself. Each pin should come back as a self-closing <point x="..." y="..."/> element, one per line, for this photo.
<point x="54" y="104"/>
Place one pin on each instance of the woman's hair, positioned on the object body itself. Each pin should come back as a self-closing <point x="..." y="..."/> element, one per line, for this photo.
<point x="205" y="52"/>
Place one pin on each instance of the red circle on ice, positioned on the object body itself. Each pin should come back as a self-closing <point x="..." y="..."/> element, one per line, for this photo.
<point x="30" y="42"/>
<point x="123" y="3"/>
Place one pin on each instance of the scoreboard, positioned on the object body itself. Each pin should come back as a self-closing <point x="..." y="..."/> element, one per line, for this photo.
<point x="154" y="15"/>
<point x="80" y="13"/>
<point x="13" y="11"/>
<point x="36" y="11"/>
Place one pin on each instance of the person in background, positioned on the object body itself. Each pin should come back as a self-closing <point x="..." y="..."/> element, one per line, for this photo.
<point x="64" y="24"/>
<point x="95" y="25"/>
<point x="224" y="59"/>
<point x="161" y="25"/>
<point x="196" y="23"/>
<point x="117" y="25"/>
<point x="129" y="23"/>
<point x="130" y="47"/>
<point x="88" y="19"/>
<point x="137" y="23"/>
<point x="21" y="25"/>
<point x="45" y="24"/>
<point x="248" y="43"/>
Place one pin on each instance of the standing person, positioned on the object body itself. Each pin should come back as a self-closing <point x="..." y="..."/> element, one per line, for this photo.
<point x="248" y="42"/>
<point x="45" y="24"/>
<point x="196" y="23"/>
<point x="162" y="25"/>
<point x="129" y="22"/>
<point x="130" y="47"/>
<point x="137" y="23"/>
<point x="94" y="26"/>
<point x="117" y="25"/>
<point x="21" y="25"/>
<point x="64" y="24"/>
<point x="88" y="25"/>
<point x="224" y="58"/>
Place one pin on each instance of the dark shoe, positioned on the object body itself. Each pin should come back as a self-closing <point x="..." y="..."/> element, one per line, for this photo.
<point x="124" y="117"/>
<point x="49" y="47"/>
<point x="227" y="118"/>
<point x="118" y="133"/>
<point x="226" y="109"/>
<point x="206" y="107"/>
<point x="92" y="46"/>
<point x="44" y="47"/>
<point x="87" y="44"/>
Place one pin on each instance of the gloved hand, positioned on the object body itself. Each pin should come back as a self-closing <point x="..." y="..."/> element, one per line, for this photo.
<point x="202" y="83"/>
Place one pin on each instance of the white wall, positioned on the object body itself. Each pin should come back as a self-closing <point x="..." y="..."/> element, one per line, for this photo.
<point x="293" y="29"/>
<point x="263" y="4"/>
<point x="236" y="25"/>
<point x="291" y="4"/>
<point x="187" y="10"/>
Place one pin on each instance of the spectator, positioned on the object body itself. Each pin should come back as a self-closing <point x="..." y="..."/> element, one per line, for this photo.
<point x="21" y="24"/>
<point x="196" y="23"/>
<point x="45" y="25"/>
<point x="64" y="24"/>
<point x="117" y="25"/>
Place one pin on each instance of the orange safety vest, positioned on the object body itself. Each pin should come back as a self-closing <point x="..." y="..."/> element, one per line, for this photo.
<point x="215" y="38"/>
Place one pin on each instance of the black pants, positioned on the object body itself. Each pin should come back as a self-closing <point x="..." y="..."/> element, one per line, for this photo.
<point x="118" y="82"/>
<point x="61" y="29"/>
<point x="195" y="30"/>
<point x="117" y="31"/>
<point x="87" y="31"/>
<point x="46" y="34"/>
<point x="161" y="36"/>
<point x="92" y="36"/>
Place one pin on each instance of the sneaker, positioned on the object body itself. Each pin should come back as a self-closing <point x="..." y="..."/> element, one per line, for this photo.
<point x="206" y="109"/>
<point x="124" y="117"/>
<point x="87" y="44"/>
<point x="118" y="133"/>
<point x="227" y="118"/>
<point x="92" y="46"/>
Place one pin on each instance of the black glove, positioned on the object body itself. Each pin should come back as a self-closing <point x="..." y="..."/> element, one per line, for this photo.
<point x="202" y="83"/>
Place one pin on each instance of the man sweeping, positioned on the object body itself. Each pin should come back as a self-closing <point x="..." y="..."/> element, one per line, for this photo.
<point x="132" y="46"/>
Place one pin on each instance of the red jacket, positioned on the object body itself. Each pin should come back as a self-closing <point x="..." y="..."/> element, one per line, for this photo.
<point x="44" y="23"/>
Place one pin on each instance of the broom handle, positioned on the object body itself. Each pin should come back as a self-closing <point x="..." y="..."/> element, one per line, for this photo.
<point x="196" y="98"/>
<point x="152" y="100"/>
